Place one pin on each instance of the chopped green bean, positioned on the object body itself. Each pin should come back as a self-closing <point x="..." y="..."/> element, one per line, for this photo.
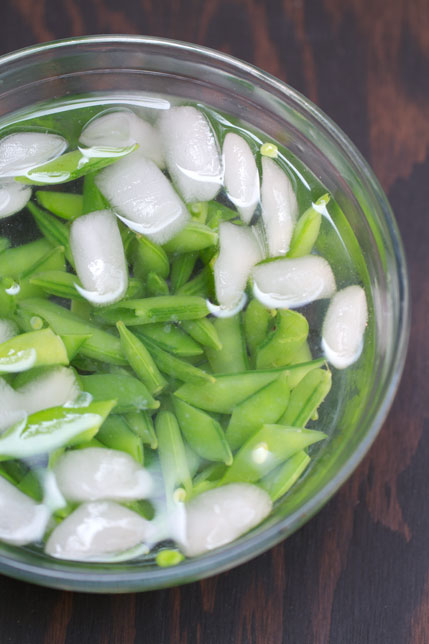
<point x="195" y="236"/>
<point x="172" y="454"/>
<point x="280" y="480"/>
<point x="142" y="424"/>
<point x="66" y="205"/>
<point x="289" y="334"/>
<point x="115" y="433"/>
<point x="232" y="357"/>
<point x="130" y="393"/>
<point x="140" y="360"/>
<point x="306" y="398"/>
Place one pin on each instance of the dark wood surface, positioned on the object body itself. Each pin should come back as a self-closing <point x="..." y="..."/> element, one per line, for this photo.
<point x="359" y="571"/>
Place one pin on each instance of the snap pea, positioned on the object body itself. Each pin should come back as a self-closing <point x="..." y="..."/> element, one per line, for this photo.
<point x="203" y="332"/>
<point x="167" y="308"/>
<point x="140" y="360"/>
<point x="130" y="394"/>
<point x="81" y="308"/>
<point x="306" y="398"/>
<point x="57" y="283"/>
<point x="204" y="434"/>
<point x="172" y="454"/>
<point x="280" y="480"/>
<point x="256" y="321"/>
<point x="30" y="485"/>
<point x="171" y="338"/>
<point x="307" y="229"/>
<point x="268" y="448"/>
<point x="265" y="406"/>
<point x="193" y="237"/>
<point x="73" y="343"/>
<point x="52" y="260"/>
<point x="50" y="429"/>
<point x="230" y="390"/>
<point x="156" y="285"/>
<point x="217" y="213"/>
<point x="232" y="357"/>
<point x="4" y="244"/>
<point x="202" y="284"/>
<point x="52" y="229"/>
<point x="33" y="349"/>
<point x="16" y="261"/>
<point x="72" y="165"/>
<point x="142" y="424"/>
<point x="92" y="198"/>
<point x="167" y="557"/>
<point x="115" y="433"/>
<point x="289" y="334"/>
<point x="302" y="355"/>
<point x="199" y="211"/>
<point x="181" y="270"/>
<point x="100" y="346"/>
<point x="7" y="299"/>
<point x="147" y="256"/>
<point x="173" y="366"/>
<point x="66" y="205"/>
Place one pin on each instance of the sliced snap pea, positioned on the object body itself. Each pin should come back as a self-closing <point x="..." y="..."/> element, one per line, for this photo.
<point x="50" y="429"/>
<point x="171" y="338"/>
<point x="172" y="454"/>
<point x="265" y="406"/>
<point x="57" y="283"/>
<point x="140" y="360"/>
<point x="232" y="357"/>
<point x="280" y="480"/>
<point x="302" y="355"/>
<point x="268" y="448"/>
<point x="52" y="260"/>
<point x="33" y="349"/>
<point x="204" y="434"/>
<point x="156" y="285"/>
<point x="203" y="332"/>
<point x="73" y="343"/>
<point x="115" y="433"/>
<point x="289" y="334"/>
<point x="7" y="299"/>
<point x="130" y="393"/>
<point x="81" y="308"/>
<point x="202" y="284"/>
<point x="72" y="165"/>
<point x="16" y="261"/>
<point x="148" y="256"/>
<point x="195" y="236"/>
<point x="181" y="270"/>
<point x="230" y="390"/>
<point x="30" y="485"/>
<point x="100" y="346"/>
<point x="307" y="229"/>
<point x="92" y="198"/>
<point x="142" y="424"/>
<point x="66" y="205"/>
<point x="167" y="308"/>
<point x="256" y="321"/>
<point x="173" y="366"/>
<point x="199" y="211"/>
<point x="306" y="398"/>
<point x="217" y="213"/>
<point x="52" y="229"/>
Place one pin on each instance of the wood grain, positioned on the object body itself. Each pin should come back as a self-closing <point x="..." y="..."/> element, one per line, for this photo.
<point x="358" y="572"/>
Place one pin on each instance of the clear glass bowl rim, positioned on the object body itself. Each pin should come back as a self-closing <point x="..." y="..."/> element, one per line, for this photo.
<point x="235" y="554"/>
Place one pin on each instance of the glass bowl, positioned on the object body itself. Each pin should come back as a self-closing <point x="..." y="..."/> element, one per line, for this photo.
<point x="362" y="395"/>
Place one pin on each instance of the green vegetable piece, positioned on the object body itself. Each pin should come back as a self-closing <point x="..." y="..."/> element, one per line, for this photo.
<point x="50" y="429"/>
<point x="16" y="261"/>
<point x="57" y="283"/>
<point x="306" y="398"/>
<point x="171" y="338"/>
<point x="204" y="332"/>
<point x="217" y="213"/>
<point x="66" y="205"/>
<point x="195" y="236"/>
<point x="256" y="321"/>
<point x="30" y="485"/>
<point x="280" y="480"/>
<point x="81" y="308"/>
<point x="73" y="343"/>
<point x="202" y="284"/>
<point x="204" y="434"/>
<point x="173" y="366"/>
<point x="52" y="260"/>
<point x="4" y="244"/>
<point x="232" y="357"/>
<point x="156" y="285"/>
<point x="199" y="211"/>
<point x="140" y="360"/>
<point x="72" y="165"/>
<point x="302" y="355"/>
<point x="100" y="346"/>
<point x="142" y="425"/>
<point x="33" y="349"/>
<point x="7" y="298"/>
<point x="92" y="199"/>
<point x="268" y="448"/>
<point x="289" y="334"/>
<point x="307" y="229"/>
<point x="172" y="454"/>
<point x="265" y="406"/>
<point x="130" y="393"/>
<point x="181" y="270"/>
<point x="167" y="308"/>
<point x="115" y="433"/>
<point x="148" y="256"/>
<point x="166" y="558"/>
<point x="231" y="389"/>
<point x="55" y="231"/>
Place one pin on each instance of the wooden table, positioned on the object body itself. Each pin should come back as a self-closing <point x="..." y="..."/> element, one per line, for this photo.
<point x="358" y="572"/>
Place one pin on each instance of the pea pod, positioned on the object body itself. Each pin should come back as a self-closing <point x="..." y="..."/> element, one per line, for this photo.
<point x="4" y="244"/>
<point x="66" y="205"/>
<point x="172" y="454"/>
<point x="57" y="283"/>
<point x="265" y="406"/>
<point x="148" y="256"/>
<point x="142" y="425"/>
<point x="232" y="357"/>
<point x="268" y="448"/>
<point x="73" y="343"/>
<point x="280" y="480"/>
<point x="130" y="393"/>
<point x="217" y="213"/>
<point x="92" y="198"/>
<point x="52" y="260"/>
<point x="203" y="332"/>
<point x="302" y="355"/>
<point x="199" y="211"/>
<point x="168" y="308"/>
<point x="202" y="284"/>
<point x="195" y="236"/>
<point x="16" y="261"/>
<point x="289" y="334"/>
<point x="181" y="270"/>
<point x="33" y="349"/>
<point x="82" y="309"/>
<point x="100" y="346"/>
<point x="306" y="398"/>
<point x="7" y="299"/>
<point x="140" y="360"/>
<point x="156" y="285"/>
<point x="230" y="390"/>
<point x="30" y="485"/>
<point x="204" y="434"/>
<point x="307" y="229"/>
<point x="115" y="433"/>
<point x="171" y="338"/>
<point x="53" y="230"/>
<point x="256" y="320"/>
<point x="53" y="428"/>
